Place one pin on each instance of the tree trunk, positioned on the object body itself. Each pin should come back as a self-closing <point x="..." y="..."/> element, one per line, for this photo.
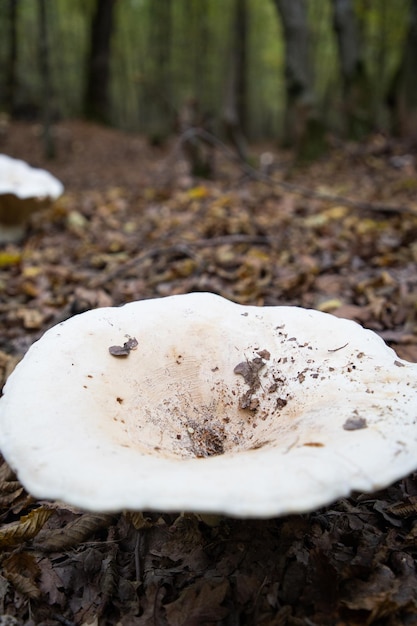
<point x="355" y="92"/>
<point x="11" y="72"/>
<point x="235" y="108"/>
<point x="201" y="50"/>
<point x="402" y="98"/>
<point x="160" y="120"/>
<point x="49" y="147"/>
<point x="96" y="100"/>
<point x="241" y="60"/>
<point x="303" y="127"/>
<point x="298" y="71"/>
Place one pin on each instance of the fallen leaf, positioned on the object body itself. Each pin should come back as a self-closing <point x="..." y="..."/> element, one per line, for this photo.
<point x="25" y="529"/>
<point x="199" y="604"/>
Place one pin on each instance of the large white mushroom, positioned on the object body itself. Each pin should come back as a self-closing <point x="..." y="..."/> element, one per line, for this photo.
<point x="23" y="190"/>
<point x="195" y="403"/>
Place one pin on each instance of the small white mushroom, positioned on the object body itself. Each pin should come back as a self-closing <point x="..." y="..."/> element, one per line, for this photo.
<point x="23" y="190"/>
<point x="219" y="408"/>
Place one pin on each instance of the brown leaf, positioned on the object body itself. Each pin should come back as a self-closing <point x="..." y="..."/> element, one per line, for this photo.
<point x="199" y="604"/>
<point x="50" y="583"/>
<point x="72" y="534"/>
<point x="6" y="472"/>
<point x="382" y="595"/>
<point x="10" y="488"/>
<point x="32" y="319"/>
<point x="7" y="365"/>
<point x="21" y="569"/>
<point x="8" y="498"/>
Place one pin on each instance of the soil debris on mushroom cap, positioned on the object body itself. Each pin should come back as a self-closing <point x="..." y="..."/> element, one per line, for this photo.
<point x="355" y="423"/>
<point x="124" y="350"/>
<point x="250" y="372"/>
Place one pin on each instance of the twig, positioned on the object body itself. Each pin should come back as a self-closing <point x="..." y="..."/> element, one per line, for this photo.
<point x="255" y="174"/>
<point x="227" y="240"/>
<point x="185" y="249"/>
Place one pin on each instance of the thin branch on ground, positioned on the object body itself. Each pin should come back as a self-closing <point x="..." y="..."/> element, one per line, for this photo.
<point x="179" y="248"/>
<point x="300" y="190"/>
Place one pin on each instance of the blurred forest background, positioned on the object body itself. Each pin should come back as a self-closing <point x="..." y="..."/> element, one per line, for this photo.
<point x="293" y="71"/>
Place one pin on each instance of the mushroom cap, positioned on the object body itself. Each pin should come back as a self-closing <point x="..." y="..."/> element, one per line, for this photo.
<point x="24" y="181"/>
<point x="24" y="189"/>
<point x="223" y="408"/>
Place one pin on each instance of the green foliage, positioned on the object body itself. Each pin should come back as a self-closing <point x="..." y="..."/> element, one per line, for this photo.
<point x="167" y="51"/>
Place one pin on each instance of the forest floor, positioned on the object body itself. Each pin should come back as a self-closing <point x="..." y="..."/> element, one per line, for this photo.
<point x="134" y="224"/>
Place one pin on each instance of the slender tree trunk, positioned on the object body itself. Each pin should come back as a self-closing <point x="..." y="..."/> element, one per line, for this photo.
<point x="49" y="147"/>
<point x="11" y="76"/>
<point x="303" y="128"/>
<point x="355" y="93"/>
<point x="241" y="61"/>
<point x="96" y="100"/>
<point x="402" y="97"/>
<point x="201" y="51"/>
<point x="235" y="108"/>
<point x="298" y="69"/>
<point x="160" y="122"/>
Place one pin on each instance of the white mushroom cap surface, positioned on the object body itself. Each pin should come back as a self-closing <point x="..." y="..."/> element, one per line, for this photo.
<point x="242" y="410"/>
<point x="23" y="181"/>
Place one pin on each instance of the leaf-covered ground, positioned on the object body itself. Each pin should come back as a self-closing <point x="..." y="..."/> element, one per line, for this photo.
<point x="133" y="224"/>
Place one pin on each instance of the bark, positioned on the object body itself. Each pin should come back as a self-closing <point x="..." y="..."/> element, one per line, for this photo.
<point x="402" y="97"/>
<point x="235" y="108"/>
<point x="96" y="101"/>
<point x="355" y="92"/>
<point x="198" y="153"/>
<point x="201" y="50"/>
<point x="303" y="128"/>
<point x="48" y="142"/>
<point x="241" y="60"/>
<point x="160" y="120"/>
<point x="11" y="72"/>
<point x="298" y="71"/>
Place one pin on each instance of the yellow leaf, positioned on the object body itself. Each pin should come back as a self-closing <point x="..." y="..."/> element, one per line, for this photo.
<point x="31" y="271"/>
<point x="26" y="528"/>
<point x="9" y="258"/>
<point x="337" y="212"/>
<point x="196" y="193"/>
<point x="330" y="305"/>
<point x="138" y="520"/>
